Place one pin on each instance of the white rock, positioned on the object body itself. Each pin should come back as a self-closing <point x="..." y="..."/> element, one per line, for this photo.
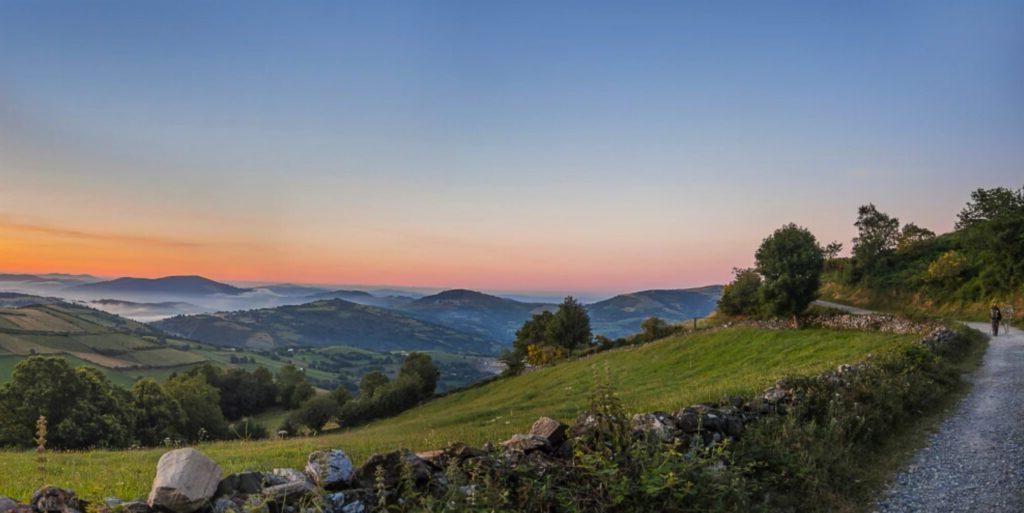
<point x="185" y="480"/>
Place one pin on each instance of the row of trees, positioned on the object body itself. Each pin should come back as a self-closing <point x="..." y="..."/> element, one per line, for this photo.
<point x="982" y="259"/>
<point x="84" y="409"/>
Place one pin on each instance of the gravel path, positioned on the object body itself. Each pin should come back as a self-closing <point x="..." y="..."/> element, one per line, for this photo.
<point x="975" y="463"/>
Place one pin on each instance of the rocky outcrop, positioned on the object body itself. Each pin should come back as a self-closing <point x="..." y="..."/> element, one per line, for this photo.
<point x="185" y="480"/>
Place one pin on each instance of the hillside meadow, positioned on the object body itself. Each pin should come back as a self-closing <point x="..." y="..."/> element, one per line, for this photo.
<point x="663" y="375"/>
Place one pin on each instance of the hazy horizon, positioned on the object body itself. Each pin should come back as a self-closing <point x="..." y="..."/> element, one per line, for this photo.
<point x="531" y="148"/>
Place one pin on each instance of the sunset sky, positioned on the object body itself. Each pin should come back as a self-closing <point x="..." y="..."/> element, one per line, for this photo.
<point x="548" y="146"/>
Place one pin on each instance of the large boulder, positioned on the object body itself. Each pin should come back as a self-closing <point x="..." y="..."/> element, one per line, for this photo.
<point x="550" y="430"/>
<point x="50" y="499"/>
<point x="331" y="470"/>
<point x="186" y="479"/>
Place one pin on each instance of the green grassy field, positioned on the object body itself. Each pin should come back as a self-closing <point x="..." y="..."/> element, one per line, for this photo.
<point x="663" y="375"/>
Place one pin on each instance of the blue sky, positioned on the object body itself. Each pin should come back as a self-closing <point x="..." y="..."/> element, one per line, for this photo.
<point x="539" y="146"/>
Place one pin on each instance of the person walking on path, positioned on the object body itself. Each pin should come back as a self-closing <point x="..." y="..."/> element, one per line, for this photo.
<point x="996" y="317"/>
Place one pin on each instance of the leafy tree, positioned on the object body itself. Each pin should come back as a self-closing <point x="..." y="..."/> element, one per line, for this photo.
<point x="200" y="405"/>
<point x="82" y="407"/>
<point x="743" y="295"/>
<point x="877" y="237"/>
<point x="158" y="413"/>
<point x="421" y="366"/>
<point x="570" y="326"/>
<point x="654" y="328"/>
<point x="913" y="235"/>
<point x="790" y="262"/>
<point x="832" y="250"/>
<point x="371" y="382"/>
<point x="533" y="331"/>
<point x="992" y="226"/>
<point x="317" y="411"/>
<point x="341" y="395"/>
<point x="990" y="204"/>
<point x="103" y="416"/>
<point x="292" y="386"/>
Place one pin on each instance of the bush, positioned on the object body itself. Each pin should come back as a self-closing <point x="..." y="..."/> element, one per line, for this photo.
<point x="317" y="411"/>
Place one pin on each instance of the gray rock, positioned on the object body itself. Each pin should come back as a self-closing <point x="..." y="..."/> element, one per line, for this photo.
<point x="50" y="499"/>
<point x="659" y="425"/>
<point x="526" y="443"/>
<point x="186" y="479"/>
<point x="331" y="470"/>
<point x="7" y="504"/>
<point x="289" y="492"/>
<point x="136" y="507"/>
<point x="286" y="475"/>
<point x="392" y="463"/>
<point x="550" y="430"/>
<point x="242" y="483"/>
<point x="226" y="505"/>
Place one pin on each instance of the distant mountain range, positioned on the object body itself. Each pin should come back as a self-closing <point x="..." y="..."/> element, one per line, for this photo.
<point x="489" y="316"/>
<point x="326" y="323"/>
<point x="363" y="298"/>
<point x="622" y="314"/>
<point x="382" y="320"/>
<point x="166" y="286"/>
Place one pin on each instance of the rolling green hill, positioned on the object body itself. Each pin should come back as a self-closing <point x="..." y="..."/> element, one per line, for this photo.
<point x="664" y="375"/>
<point x="126" y="350"/>
<point x="334" y="322"/>
<point x="120" y="347"/>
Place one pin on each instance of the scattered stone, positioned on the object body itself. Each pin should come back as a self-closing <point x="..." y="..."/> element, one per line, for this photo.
<point x="50" y="499"/>
<point x="185" y="480"/>
<point x="331" y="470"/>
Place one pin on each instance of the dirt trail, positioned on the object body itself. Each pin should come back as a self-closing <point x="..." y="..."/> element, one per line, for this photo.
<point x="975" y="462"/>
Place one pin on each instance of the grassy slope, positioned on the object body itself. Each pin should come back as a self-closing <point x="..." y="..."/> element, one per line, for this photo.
<point x="665" y="375"/>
